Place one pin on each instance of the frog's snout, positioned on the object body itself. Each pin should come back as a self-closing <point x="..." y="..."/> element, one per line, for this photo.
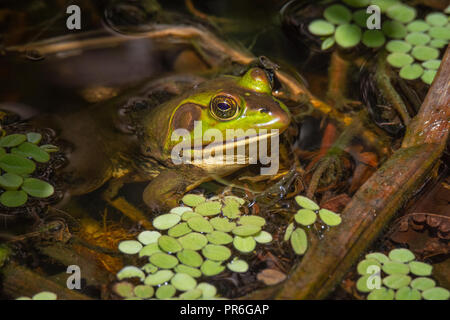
<point x="280" y="117"/>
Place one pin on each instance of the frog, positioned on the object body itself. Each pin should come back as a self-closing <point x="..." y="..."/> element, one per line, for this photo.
<point x="129" y="138"/>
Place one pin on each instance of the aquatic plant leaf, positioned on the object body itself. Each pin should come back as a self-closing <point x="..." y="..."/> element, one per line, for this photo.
<point x="321" y="28"/>
<point x="337" y="14"/>
<point x="191" y="294"/>
<point x="14" y="198"/>
<point x="401" y="255"/>
<point x="219" y="237"/>
<point x="124" y="289"/>
<point x="328" y="43"/>
<point x="436" y="293"/>
<point x="193" y="272"/>
<point x="420" y="268"/>
<point x="288" y="232"/>
<point x="418" y="38"/>
<point x="399" y="60"/>
<point x="149" y="249"/>
<point x="180" y="210"/>
<point x="183" y="282"/>
<point x="163" y="260"/>
<point x="299" y="241"/>
<point x="394" y="29"/>
<point x="432" y="64"/>
<point x="373" y="38"/>
<point x="179" y="230"/>
<point x="305" y="217"/>
<point x="423" y="283"/>
<point x="34" y="137"/>
<point x="360" y="18"/>
<point x="348" y="35"/>
<point x="381" y="294"/>
<point x="380" y="257"/>
<point x="222" y="224"/>
<point x="385" y="4"/>
<point x="149" y="268"/>
<point x="362" y="284"/>
<point x="406" y="293"/>
<point x="216" y="252"/>
<point x="30" y="150"/>
<point x="12" y="140"/>
<point x="49" y="148"/>
<point x="16" y="164"/>
<point x="244" y="244"/>
<point x="144" y="291"/>
<point x="399" y="46"/>
<point x="442" y="33"/>
<point x="158" y="277"/>
<point x="402" y="13"/>
<point x="357" y="3"/>
<point x="165" y="292"/>
<point x="37" y="188"/>
<point x="188" y="214"/>
<point x="306" y="203"/>
<point x="190" y="257"/>
<point x="166" y="221"/>
<point x="169" y="244"/>
<point x="240" y="201"/>
<point x="396" y="281"/>
<point x="147" y="237"/>
<point x="130" y="246"/>
<point x="363" y="266"/>
<point x="418" y="26"/>
<point x="263" y="237"/>
<point x="238" y="265"/>
<point x="211" y="268"/>
<point x="200" y="224"/>
<point x="209" y="208"/>
<point x="193" y="241"/>
<point x="438" y="43"/>
<point x="411" y="72"/>
<point x="45" y="295"/>
<point x="329" y="217"/>
<point x="208" y="290"/>
<point x="423" y="53"/>
<point x="436" y="19"/>
<point x="428" y="76"/>
<point x="193" y="200"/>
<point x="246" y="230"/>
<point x="393" y="267"/>
<point x="130" y="272"/>
<point x="252" y="220"/>
<point x="10" y="181"/>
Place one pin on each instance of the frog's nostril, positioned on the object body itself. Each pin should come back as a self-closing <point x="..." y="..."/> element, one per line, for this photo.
<point x="263" y="110"/>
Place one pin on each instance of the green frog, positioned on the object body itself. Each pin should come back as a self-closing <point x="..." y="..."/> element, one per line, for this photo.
<point x="131" y="138"/>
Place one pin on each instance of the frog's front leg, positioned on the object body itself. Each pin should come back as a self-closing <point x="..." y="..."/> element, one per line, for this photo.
<point x="170" y="185"/>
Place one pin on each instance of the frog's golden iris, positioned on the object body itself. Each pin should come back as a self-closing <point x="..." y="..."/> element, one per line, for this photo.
<point x="224" y="107"/>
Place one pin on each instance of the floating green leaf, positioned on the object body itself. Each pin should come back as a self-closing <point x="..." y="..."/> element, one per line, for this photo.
<point x="16" y="164"/>
<point x="398" y="46"/>
<point x="381" y="294"/>
<point x="37" y="188"/>
<point x="50" y="148"/>
<point x="222" y="224"/>
<point x="193" y="272"/>
<point x="362" y="284"/>
<point x="399" y="60"/>
<point x="438" y="43"/>
<point x="406" y="293"/>
<point x="396" y="281"/>
<point x="364" y="265"/>
<point x="165" y="292"/>
<point x="166" y="221"/>
<point x="428" y="76"/>
<point x="211" y="268"/>
<point x="306" y="203"/>
<point x="144" y="291"/>
<point x="385" y="4"/>
<point x="252" y="220"/>
<point x="216" y="252"/>
<point x="149" y="268"/>
<point x="238" y="266"/>
<point x="305" y="217"/>
<point x="380" y="257"/>
<point x="299" y="241"/>
<point x="337" y="14"/>
<point x="190" y="214"/>
<point x="169" y="244"/>
<point x="436" y="19"/>
<point x="263" y="237"/>
<point x="401" y="255"/>
<point x="418" y="38"/>
<point x="191" y="294"/>
<point x="10" y="181"/>
<point x="34" y="137"/>
<point x="393" y="267"/>
<point x="373" y="38"/>
<point x="179" y="230"/>
<point x="436" y="293"/>
<point x="394" y="29"/>
<point x="348" y="35"/>
<point x="418" y="26"/>
<point x="209" y="208"/>
<point x="163" y="260"/>
<point x="13" y="198"/>
<point x="401" y="12"/>
<point x="130" y="246"/>
<point x="321" y="28"/>
<point x="423" y="283"/>
<point x="411" y="72"/>
<point x="30" y="150"/>
<point x="193" y="241"/>
<point x="45" y="295"/>
<point x="12" y="140"/>
<point x="149" y="249"/>
<point x="288" y="233"/>
<point x="180" y="210"/>
<point x="329" y="217"/>
<point x="147" y="237"/>
<point x="124" y="289"/>
<point x="193" y="200"/>
<point x="244" y="244"/>
<point x="183" y="282"/>
<point x="423" y="53"/>
<point x="200" y="224"/>
<point x="328" y="43"/>
<point x="420" y="268"/>
<point x="219" y="237"/>
<point x="190" y="257"/>
<point x="442" y="33"/>
<point x="130" y="272"/>
<point x="432" y="64"/>
<point x="246" y="230"/>
<point x="208" y="290"/>
<point x="159" y="277"/>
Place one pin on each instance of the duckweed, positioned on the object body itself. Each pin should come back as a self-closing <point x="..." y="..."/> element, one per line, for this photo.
<point x="147" y="237"/>
<point x="130" y="272"/>
<point x="238" y="265"/>
<point x="166" y="221"/>
<point x="193" y="272"/>
<point x="193" y="200"/>
<point x="411" y="72"/>
<point x="244" y="244"/>
<point x="299" y="241"/>
<point x="183" y="282"/>
<point x="190" y="257"/>
<point x="169" y="244"/>
<point x="130" y="246"/>
<point x="402" y="277"/>
<point x="209" y="208"/>
<point x="165" y="292"/>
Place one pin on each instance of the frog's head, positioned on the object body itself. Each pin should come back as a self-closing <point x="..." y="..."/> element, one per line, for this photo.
<point x="239" y="103"/>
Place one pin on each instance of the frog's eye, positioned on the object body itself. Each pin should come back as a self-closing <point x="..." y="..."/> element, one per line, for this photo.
<point x="224" y="107"/>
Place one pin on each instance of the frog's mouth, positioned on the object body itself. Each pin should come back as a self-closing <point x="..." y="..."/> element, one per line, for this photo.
<point x="239" y="151"/>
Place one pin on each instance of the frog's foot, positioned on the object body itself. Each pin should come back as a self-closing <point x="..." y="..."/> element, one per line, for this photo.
<point x="328" y="173"/>
<point x="166" y="190"/>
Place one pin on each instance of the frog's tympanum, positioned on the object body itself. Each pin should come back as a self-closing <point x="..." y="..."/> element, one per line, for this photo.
<point x="129" y="139"/>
